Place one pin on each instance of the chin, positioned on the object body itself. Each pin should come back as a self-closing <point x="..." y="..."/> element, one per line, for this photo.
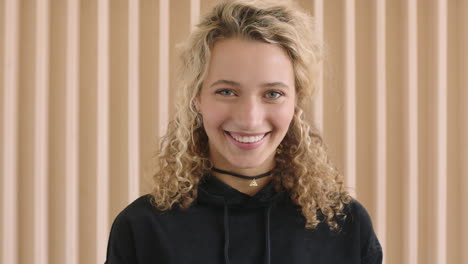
<point x="247" y="163"/>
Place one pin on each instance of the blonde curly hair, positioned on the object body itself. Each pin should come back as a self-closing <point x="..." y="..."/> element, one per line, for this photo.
<point x="302" y="165"/>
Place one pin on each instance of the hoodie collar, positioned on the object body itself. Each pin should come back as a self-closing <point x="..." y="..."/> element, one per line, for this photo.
<point x="217" y="193"/>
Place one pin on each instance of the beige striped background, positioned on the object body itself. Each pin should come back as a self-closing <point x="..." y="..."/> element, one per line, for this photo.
<point x="87" y="88"/>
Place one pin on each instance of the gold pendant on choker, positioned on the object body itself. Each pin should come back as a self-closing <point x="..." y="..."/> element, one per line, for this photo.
<point x="253" y="183"/>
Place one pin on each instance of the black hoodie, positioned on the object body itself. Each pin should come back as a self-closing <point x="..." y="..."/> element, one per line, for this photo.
<point x="227" y="226"/>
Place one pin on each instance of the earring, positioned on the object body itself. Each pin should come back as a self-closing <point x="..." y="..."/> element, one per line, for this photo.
<point x="278" y="149"/>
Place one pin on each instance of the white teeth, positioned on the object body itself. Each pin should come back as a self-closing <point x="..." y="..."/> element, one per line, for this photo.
<point x="248" y="139"/>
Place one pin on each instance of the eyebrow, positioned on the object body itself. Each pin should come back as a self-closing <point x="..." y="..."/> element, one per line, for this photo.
<point x="236" y="84"/>
<point x="226" y="82"/>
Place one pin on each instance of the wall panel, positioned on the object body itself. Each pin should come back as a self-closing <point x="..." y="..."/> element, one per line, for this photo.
<point x="88" y="87"/>
<point x="58" y="173"/>
<point x="179" y="28"/>
<point x="149" y="83"/>
<point x="333" y="94"/>
<point x="395" y="31"/>
<point x="453" y="129"/>
<point x="365" y="94"/>
<point x="26" y="79"/>
<point x="424" y="109"/>
<point x="88" y="72"/>
<point x="119" y="94"/>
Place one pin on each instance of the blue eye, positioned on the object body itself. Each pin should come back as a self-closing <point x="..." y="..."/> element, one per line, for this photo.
<point x="273" y="95"/>
<point x="225" y="92"/>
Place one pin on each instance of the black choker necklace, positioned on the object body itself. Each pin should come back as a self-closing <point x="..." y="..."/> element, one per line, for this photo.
<point x="253" y="178"/>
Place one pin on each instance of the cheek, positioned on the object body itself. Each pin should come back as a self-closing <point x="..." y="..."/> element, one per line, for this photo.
<point x="283" y="117"/>
<point x="213" y="118"/>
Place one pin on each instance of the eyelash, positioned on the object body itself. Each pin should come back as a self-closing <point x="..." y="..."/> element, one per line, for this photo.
<point x="222" y="92"/>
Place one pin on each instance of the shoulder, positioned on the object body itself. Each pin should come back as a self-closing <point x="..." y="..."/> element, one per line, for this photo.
<point x="139" y="209"/>
<point x="121" y="245"/>
<point x="359" y="219"/>
<point x="127" y="226"/>
<point x="140" y="205"/>
<point x="358" y="214"/>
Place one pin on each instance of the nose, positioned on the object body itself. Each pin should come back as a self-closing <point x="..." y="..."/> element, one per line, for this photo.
<point x="249" y="115"/>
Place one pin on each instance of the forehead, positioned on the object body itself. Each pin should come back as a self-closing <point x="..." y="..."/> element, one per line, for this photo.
<point x="247" y="61"/>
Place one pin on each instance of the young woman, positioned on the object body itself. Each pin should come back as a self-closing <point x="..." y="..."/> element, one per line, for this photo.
<point x="241" y="177"/>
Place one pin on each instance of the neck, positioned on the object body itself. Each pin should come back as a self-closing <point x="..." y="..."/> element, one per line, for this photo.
<point x="242" y="185"/>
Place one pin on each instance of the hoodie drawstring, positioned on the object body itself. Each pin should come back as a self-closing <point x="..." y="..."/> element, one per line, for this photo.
<point x="226" y="233"/>
<point x="267" y="233"/>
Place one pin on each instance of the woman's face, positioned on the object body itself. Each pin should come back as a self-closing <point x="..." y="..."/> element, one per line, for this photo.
<point x="247" y="103"/>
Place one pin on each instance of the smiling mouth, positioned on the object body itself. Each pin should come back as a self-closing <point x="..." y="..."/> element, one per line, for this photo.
<point x="246" y="139"/>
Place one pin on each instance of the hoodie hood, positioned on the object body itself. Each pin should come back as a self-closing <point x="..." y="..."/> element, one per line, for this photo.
<point x="216" y="193"/>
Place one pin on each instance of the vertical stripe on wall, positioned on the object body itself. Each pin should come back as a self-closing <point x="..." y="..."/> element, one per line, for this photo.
<point x="391" y="93"/>
<point x="163" y="89"/>
<point x="318" y="101"/>
<point x="463" y="113"/>
<point x="9" y="246"/>
<point x="194" y="12"/>
<point x="463" y="150"/>
<point x="40" y="190"/>
<point x="441" y="128"/>
<point x="380" y="123"/>
<point x="133" y="101"/>
<point x="411" y="212"/>
<point x="350" y="94"/>
<point x="102" y="180"/>
<point x="72" y="128"/>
